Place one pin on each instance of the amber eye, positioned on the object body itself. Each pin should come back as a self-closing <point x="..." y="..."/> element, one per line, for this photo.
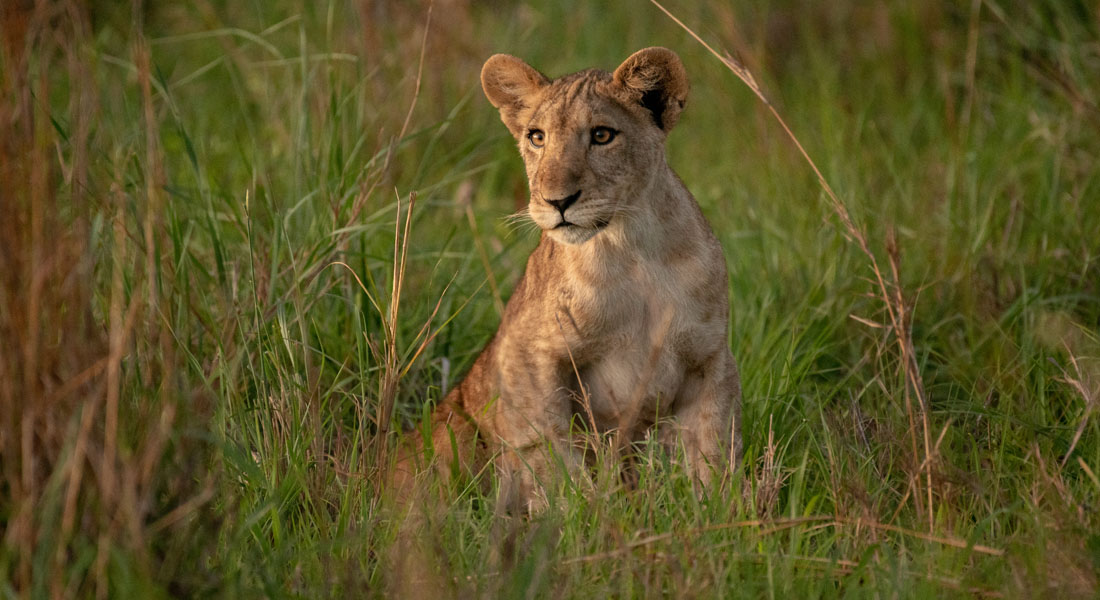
<point x="602" y="135"/>
<point x="536" y="137"/>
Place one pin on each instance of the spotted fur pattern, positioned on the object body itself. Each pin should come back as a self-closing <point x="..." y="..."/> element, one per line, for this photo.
<point x="627" y="288"/>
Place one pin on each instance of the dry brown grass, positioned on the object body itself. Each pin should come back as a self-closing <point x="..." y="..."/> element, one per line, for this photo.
<point x="54" y="358"/>
<point x="73" y="473"/>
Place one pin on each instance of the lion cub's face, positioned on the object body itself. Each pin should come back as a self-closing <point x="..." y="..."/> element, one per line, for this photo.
<point x="591" y="141"/>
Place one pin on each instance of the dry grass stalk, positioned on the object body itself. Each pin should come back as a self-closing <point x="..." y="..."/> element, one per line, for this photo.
<point x="773" y="526"/>
<point x="416" y="90"/>
<point x="465" y="200"/>
<point x="1071" y="572"/>
<point x="1081" y="383"/>
<point x="841" y="567"/>
<point x="419" y="71"/>
<point x="769" y="476"/>
<point x="391" y="373"/>
<point x="389" y="355"/>
<point x="971" y="63"/>
<point x="890" y="292"/>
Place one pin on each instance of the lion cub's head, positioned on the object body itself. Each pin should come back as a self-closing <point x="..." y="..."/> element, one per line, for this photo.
<point x="592" y="141"/>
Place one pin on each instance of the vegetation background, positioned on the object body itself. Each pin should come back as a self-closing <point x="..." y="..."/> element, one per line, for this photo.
<point x="242" y="241"/>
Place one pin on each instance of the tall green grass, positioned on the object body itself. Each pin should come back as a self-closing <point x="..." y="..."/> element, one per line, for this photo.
<point x="200" y="322"/>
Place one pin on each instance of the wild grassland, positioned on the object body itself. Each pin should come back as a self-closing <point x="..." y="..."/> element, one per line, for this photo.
<point x="216" y="279"/>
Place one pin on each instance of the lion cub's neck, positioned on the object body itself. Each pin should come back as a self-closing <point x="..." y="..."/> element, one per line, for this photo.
<point x="660" y="227"/>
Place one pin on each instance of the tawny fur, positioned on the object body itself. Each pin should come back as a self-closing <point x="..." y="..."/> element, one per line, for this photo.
<point x="627" y="287"/>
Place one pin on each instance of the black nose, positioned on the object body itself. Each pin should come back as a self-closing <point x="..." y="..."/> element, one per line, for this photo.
<point x="563" y="203"/>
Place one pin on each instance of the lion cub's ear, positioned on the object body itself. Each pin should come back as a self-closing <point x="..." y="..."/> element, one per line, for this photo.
<point x="656" y="79"/>
<point x="508" y="83"/>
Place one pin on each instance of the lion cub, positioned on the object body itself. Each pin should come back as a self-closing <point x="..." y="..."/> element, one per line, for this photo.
<point x="620" y="318"/>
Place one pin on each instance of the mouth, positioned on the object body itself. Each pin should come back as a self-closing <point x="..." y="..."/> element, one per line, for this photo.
<point x="599" y="225"/>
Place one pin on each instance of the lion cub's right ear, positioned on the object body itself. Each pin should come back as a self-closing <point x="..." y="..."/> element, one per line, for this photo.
<point x="509" y="83"/>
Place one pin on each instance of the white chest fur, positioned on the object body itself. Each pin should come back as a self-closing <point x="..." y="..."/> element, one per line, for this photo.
<point x="638" y="368"/>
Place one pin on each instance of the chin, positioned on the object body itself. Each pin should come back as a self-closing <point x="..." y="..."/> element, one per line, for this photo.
<point x="573" y="234"/>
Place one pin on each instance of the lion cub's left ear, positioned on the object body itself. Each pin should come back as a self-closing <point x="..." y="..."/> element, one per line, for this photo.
<point x="656" y="79"/>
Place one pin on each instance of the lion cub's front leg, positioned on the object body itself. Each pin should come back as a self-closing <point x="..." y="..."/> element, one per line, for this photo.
<point x="531" y="420"/>
<point x="706" y="422"/>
